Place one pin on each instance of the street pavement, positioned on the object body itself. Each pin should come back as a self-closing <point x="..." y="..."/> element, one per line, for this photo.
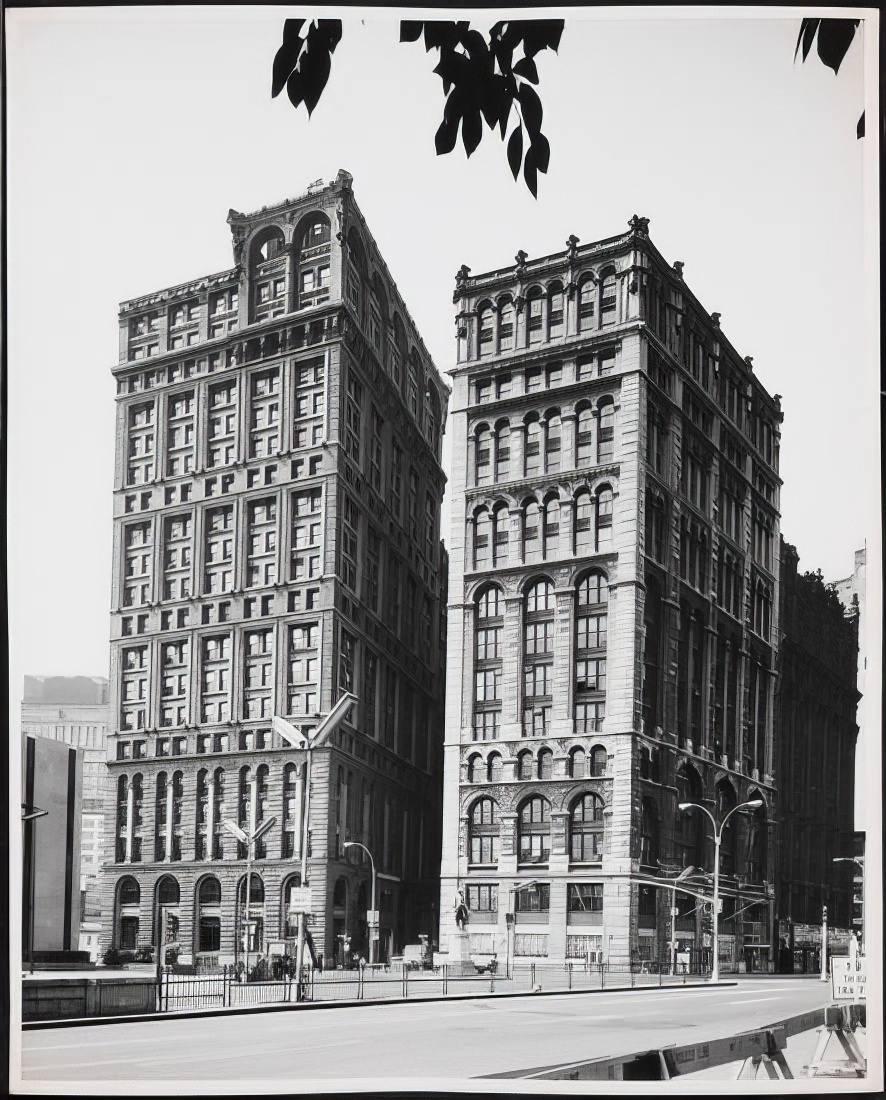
<point x="416" y="1045"/>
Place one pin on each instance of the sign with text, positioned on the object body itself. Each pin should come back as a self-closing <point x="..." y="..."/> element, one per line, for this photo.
<point x="371" y="917"/>
<point x="300" y="899"/>
<point x="849" y="978"/>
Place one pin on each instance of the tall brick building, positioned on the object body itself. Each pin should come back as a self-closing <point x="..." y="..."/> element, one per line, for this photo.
<point x="276" y="542"/>
<point x="613" y="611"/>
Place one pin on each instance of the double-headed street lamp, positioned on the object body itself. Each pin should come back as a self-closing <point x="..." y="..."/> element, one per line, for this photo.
<point x="248" y="837"/>
<point x="310" y="737"/>
<point x="373" y="912"/>
<point x="753" y="804"/>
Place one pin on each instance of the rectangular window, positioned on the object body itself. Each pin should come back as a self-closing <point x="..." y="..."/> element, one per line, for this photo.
<point x="215" y="681"/>
<point x="303" y="675"/>
<point x="264" y="425"/>
<point x="261" y="546"/>
<point x="584" y="897"/>
<point x="529" y="945"/>
<point x="482" y="899"/>
<point x="533" y="899"/>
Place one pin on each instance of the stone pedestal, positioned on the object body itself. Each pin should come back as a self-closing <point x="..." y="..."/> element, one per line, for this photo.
<point x="458" y="956"/>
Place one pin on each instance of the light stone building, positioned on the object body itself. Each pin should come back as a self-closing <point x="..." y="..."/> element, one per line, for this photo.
<point x="613" y="613"/>
<point x="276" y="542"/>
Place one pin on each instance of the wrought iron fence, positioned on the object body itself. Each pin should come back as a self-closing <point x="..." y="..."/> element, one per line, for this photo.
<point x="227" y="990"/>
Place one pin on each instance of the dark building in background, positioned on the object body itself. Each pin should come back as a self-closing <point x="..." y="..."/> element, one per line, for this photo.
<point x="74" y="710"/>
<point x="52" y="775"/>
<point x="276" y="514"/>
<point x="816" y="705"/>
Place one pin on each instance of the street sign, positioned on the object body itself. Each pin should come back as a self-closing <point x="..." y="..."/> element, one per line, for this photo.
<point x="849" y="978"/>
<point x="300" y="899"/>
<point x="371" y="917"/>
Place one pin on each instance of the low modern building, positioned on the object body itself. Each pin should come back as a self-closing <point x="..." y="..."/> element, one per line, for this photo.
<point x="52" y="776"/>
<point x="74" y="710"/>
<point x="613" y="613"/>
<point x="816" y="720"/>
<point x="276" y="543"/>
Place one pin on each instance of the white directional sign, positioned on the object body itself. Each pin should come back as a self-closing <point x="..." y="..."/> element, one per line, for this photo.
<point x="300" y="899"/>
<point x="371" y="916"/>
<point x="849" y="978"/>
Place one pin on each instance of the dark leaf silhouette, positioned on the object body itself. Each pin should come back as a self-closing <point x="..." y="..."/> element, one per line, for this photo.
<point x="834" y="37"/>
<point x="303" y="64"/>
<point x="287" y="56"/>
<point x="485" y="79"/>
<point x="515" y="150"/>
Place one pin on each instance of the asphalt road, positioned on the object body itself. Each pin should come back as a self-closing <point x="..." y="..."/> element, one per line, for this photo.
<point x="417" y="1044"/>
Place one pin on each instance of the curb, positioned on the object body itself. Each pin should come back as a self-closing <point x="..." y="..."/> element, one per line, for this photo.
<point x="245" y="1010"/>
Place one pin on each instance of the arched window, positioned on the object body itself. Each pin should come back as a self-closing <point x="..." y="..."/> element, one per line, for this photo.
<point x="483" y="455"/>
<point x="501" y="525"/>
<point x="583" y="526"/>
<point x="534" y="830"/>
<point x="577" y="763"/>
<point x="604" y="519"/>
<point x="128" y="901"/>
<point x="553" y="439"/>
<point x="538" y="658"/>
<point x="210" y="891"/>
<point x="160" y="818"/>
<point x="534" y="315"/>
<point x="268" y="274"/>
<point x="587" y="297"/>
<point x="483" y="828"/>
<point x="168" y="897"/>
<point x="489" y="624"/>
<point x="556" y="322"/>
<point x="551" y="528"/>
<point x="532" y="447"/>
<point x="531" y="531"/>
<point x="545" y="764"/>
<point x="475" y="762"/>
<point x="525" y="765"/>
<point x="485" y="328"/>
<point x="506" y="318"/>
<point x="168" y="892"/>
<point x="586" y="829"/>
<point x="591" y="621"/>
<point x="129" y="891"/>
<point x="494" y="768"/>
<point x="261" y="808"/>
<point x="312" y="262"/>
<point x="219" y="812"/>
<point x="608" y="299"/>
<point x="605" y="431"/>
<point x="598" y="761"/>
<point x="502" y="448"/>
<point x="355" y="274"/>
<point x="482" y="538"/>
<point x="291" y="810"/>
<point x="137" y="795"/>
<point x="584" y="437"/>
<point x="251" y="917"/>
<point x="122" y="818"/>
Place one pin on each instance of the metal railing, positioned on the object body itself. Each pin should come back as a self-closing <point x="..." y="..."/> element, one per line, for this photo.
<point x="226" y="990"/>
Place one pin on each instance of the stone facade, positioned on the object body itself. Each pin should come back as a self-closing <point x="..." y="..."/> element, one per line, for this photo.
<point x="613" y="612"/>
<point x="276" y="513"/>
<point x="816" y="712"/>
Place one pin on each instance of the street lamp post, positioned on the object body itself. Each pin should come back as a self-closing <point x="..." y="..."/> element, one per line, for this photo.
<point x="373" y="920"/>
<point x="249" y="837"/>
<point x="310" y="739"/>
<point x="512" y="914"/>
<point x="30" y="815"/>
<point x="754" y="803"/>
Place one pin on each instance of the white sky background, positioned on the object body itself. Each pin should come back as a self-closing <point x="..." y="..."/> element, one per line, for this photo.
<point x="131" y="132"/>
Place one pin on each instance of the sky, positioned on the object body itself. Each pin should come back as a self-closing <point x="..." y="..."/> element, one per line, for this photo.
<point x="132" y="132"/>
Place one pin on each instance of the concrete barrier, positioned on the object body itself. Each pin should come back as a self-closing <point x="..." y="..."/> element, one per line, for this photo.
<point x="72" y="998"/>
